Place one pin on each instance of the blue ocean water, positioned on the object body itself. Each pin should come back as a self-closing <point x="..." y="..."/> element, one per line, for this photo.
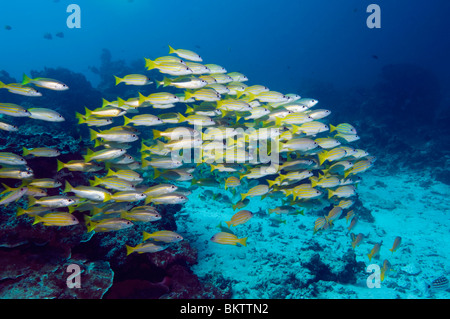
<point x="389" y="82"/>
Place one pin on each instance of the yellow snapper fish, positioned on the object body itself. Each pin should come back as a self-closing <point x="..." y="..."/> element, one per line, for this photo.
<point x="166" y="236"/>
<point x="92" y="121"/>
<point x="197" y="68"/>
<point x="334" y="214"/>
<point x="160" y="189"/>
<point x="20" y="89"/>
<point x="215" y="68"/>
<point x="14" y="194"/>
<point x="78" y="166"/>
<point x="171" y="198"/>
<point x="50" y="84"/>
<point x="141" y="214"/>
<point x="51" y="201"/>
<point x="186" y="54"/>
<point x="8" y="127"/>
<point x="343" y="191"/>
<point x="232" y="181"/>
<point x="328" y="181"/>
<point x="107" y="225"/>
<point x="15" y="173"/>
<point x="128" y="175"/>
<point x="56" y="219"/>
<point x="109" y="111"/>
<point x="114" y="135"/>
<point x="14" y="110"/>
<point x="105" y="154"/>
<point x="159" y="98"/>
<point x="45" y="183"/>
<point x="149" y="247"/>
<point x="8" y="158"/>
<point x="240" y="218"/>
<point x="258" y="190"/>
<point x="343" y="128"/>
<point x="133" y="79"/>
<point x="41" y="152"/>
<point x="183" y="82"/>
<point x="172" y="68"/>
<point x="89" y="192"/>
<point x="113" y="183"/>
<point x="331" y="155"/>
<point x="375" y="251"/>
<point x="226" y="238"/>
<point x="142" y="119"/>
<point x="204" y="94"/>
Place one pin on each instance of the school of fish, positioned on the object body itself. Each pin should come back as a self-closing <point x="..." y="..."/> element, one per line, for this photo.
<point x="316" y="164"/>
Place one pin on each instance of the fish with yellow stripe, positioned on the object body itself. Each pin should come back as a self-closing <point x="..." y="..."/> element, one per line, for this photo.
<point x="240" y="218"/>
<point x="226" y="238"/>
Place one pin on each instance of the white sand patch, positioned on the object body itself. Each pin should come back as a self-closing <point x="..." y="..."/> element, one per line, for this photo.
<point x="404" y="205"/>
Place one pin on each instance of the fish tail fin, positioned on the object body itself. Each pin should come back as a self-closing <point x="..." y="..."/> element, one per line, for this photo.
<point x="80" y="118"/>
<point x="60" y="165"/>
<point x="156" y="173"/>
<point x="171" y="50"/>
<point x="142" y="98"/>
<point x="243" y="241"/>
<point x="105" y="102"/>
<point x="88" y="112"/>
<point x="145" y="235"/>
<point x="322" y="157"/>
<point x="182" y="118"/>
<point x="346" y="173"/>
<point x="150" y="64"/>
<point x="229" y="223"/>
<point x="156" y="134"/>
<point x="2" y="85"/>
<point x="188" y="95"/>
<point x="189" y="109"/>
<point x="68" y="187"/>
<point x="120" y="102"/>
<point x="110" y="172"/>
<point x="96" y="181"/>
<point x="243" y="196"/>
<point x="25" y="151"/>
<point x="37" y="219"/>
<point x="88" y="156"/>
<point x="118" y="80"/>
<point x="126" y="120"/>
<point x="26" y="79"/>
<point x="20" y="211"/>
<point x="93" y="134"/>
<point x="107" y="198"/>
<point x="330" y="193"/>
<point x="31" y="201"/>
<point x="251" y="96"/>
<point x="271" y="183"/>
<point x="166" y="82"/>
<point x="129" y="249"/>
<point x="95" y="210"/>
<point x="370" y="256"/>
<point x="332" y="128"/>
<point x="278" y="121"/>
